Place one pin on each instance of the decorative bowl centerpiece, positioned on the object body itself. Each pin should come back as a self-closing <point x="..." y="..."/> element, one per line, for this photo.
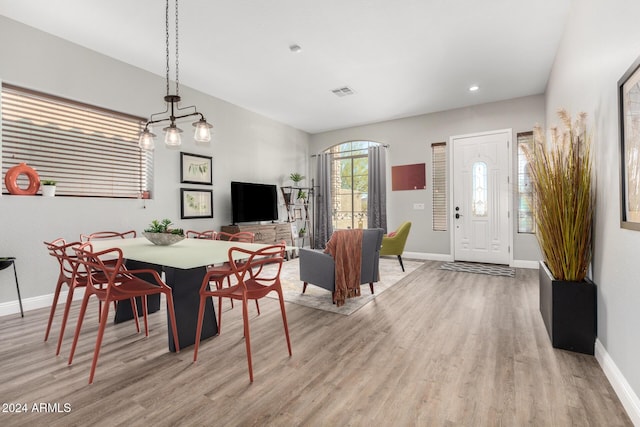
<point x="160" y="234"/>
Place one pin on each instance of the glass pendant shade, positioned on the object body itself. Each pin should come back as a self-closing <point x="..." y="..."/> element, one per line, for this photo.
<point x="172" y="136"/>
<point x="146" y="141"/>
<point x="202" y="133"/>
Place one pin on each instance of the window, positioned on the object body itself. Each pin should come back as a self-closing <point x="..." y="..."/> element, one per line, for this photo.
<point x="439" y="180"/>
<point x="88" y="150"/>
<point x="526" y="223"/>
<point x="479" y="184"/>
<point x="350" y="184"/>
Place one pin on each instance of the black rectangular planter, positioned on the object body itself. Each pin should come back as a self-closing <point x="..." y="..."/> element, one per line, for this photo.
<point x="569" y="312"/>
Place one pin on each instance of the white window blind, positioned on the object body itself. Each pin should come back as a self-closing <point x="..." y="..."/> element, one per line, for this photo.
<point x="439" y="182"/>
<point x="88" y="150"/>
<point x="526" y="223"/>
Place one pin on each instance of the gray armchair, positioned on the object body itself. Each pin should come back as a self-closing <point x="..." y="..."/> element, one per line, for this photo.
<point x="318" y="268"/>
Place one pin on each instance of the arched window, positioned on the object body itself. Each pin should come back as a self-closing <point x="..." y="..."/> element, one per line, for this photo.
<point x="350" y="183"/>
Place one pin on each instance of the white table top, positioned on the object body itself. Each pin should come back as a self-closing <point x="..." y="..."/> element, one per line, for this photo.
<point x="188" y="253"/>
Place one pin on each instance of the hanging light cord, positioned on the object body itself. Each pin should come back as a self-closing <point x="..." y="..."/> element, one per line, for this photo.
<point x="166" y="44"/>
<point x="177" y="53"/>
<point x="166" y="35"/>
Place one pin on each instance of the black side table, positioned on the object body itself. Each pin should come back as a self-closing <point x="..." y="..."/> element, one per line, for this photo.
<point x="6" y="262"/>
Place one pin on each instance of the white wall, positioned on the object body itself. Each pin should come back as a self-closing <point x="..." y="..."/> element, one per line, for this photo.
<point x="410" y="142"/>
<point x="245" y="147"/>
<point x="601" y="41"/>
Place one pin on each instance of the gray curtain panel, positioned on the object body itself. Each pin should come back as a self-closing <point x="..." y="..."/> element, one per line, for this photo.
<point x="323" y="227"/>
<point x="377" y="206"/>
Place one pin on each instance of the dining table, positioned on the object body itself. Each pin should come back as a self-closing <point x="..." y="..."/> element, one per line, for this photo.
<point x="184" y="265"/>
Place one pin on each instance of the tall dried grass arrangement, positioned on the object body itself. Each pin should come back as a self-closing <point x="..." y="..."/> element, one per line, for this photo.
<point x="564" y="197"/>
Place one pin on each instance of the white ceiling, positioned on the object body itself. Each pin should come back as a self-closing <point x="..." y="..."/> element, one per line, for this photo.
<point x="400" y="57"/>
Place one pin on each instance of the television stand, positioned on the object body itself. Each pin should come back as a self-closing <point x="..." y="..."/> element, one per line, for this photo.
<point x="268" y="234"/>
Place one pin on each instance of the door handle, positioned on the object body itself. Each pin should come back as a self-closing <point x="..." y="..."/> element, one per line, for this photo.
<point x="458" y="215"/>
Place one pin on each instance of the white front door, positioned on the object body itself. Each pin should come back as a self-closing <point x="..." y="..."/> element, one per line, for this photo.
<point x="482" y="197"/>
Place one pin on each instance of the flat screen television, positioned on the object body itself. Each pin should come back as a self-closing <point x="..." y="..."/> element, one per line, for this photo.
<point x="252" y="202"/>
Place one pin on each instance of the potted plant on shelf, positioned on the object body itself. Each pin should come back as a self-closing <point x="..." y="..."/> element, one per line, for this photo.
<point x="160" y="234"/>
<point x="296" y="178"/>
<point x="48" y="187"/>
<point x="287" y="191"/>
<point x="564" y="204"/>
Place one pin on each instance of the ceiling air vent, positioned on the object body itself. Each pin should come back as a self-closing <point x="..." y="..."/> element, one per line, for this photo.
<point x="343" y="91"/>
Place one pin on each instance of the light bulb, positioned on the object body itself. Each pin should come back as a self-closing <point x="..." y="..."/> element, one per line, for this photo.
<point x="172" y="136"/>
<point x="146" y="141"/>
<point x="203" y="132"/>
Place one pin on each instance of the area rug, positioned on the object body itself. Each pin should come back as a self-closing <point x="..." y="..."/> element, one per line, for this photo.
<point x="473" y="267"/>
<point x="320" y="299"/>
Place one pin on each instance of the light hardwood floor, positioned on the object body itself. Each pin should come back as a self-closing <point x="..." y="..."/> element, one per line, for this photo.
<point x="439" y="349"/>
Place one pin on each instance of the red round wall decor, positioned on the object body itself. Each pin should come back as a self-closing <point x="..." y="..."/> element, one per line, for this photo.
<point x="11" y="180"/>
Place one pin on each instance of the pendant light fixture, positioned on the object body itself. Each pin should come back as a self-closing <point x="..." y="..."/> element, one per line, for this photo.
<point x="172" y="131"/>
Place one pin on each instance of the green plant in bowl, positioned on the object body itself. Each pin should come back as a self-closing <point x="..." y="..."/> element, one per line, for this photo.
<point x="163" y="227"/>
<point x="160" y="234"/>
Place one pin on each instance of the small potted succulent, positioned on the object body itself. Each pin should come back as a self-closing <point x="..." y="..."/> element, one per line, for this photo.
<point x="160" y="234"/>
<point x="48" y="187"/>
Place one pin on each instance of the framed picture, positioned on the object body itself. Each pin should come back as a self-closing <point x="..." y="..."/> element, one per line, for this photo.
<point x="408" y="177"/>
<point x="297" y="213"/>
<point x="196" y="203"/>
<point x="629" y="114"/>
<point x="195" y="169"/>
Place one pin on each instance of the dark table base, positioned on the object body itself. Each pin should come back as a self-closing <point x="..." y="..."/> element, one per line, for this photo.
<point x="186" y="299"/>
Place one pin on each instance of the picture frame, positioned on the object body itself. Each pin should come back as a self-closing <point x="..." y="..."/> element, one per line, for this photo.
<point x="409" y="177"/>
<point x="629" y="124"/>
<point x="196" y="203"/>
<point x="196" y="169"/>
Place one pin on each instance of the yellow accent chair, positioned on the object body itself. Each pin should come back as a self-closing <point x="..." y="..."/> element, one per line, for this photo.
<point x="393" y="243"/>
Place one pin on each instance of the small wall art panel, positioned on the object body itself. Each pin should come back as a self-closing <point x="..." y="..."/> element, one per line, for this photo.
<point x="409" y="177"/>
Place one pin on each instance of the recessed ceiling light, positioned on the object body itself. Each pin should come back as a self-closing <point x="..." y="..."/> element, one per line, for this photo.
<point x="295" y="48"/>
<point x="343" y="91"/>
<point x="473" y="88"/>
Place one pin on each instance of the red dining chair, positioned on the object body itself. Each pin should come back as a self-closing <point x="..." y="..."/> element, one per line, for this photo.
<point x="208" y="235"/>
<point x="60" y="250"/>
<point x="73" y="277"/>
<point x="254" y="282"/>
<point x="240" y="236"/>
<point x="108" y="235"/>
<point x="121" y="284"/>
<point x="224" y="271"/>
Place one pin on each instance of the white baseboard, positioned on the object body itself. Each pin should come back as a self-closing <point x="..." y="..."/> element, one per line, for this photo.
<point x="449" y="257"/>
<point x="427" y="256"/>
<point x="33" y="303"/>
<point x="627" y="396"/>
<point x="520" y="263"/>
